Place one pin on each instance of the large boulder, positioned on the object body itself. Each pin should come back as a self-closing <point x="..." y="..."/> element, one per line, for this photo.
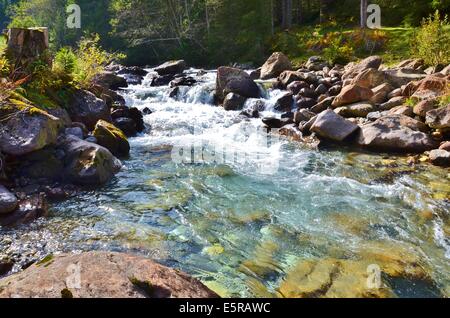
<point x="369" y="78"/>
<point x="110" y="80"/>
<point x="352" y="94"/>
<point x="234" y="80"/>
<point x="86" y="108"/>
<point x="396" y="133"/>
<point x="8" y="201"/>
<point x="171" y="68"/>
<point x="430" y="87"/>
<point x="276" y="64"/>
<point x="27" y="130"/>
<point x="112" y="138"/>
<point x="101" y="275"/>
<point x="355" y="69"/>
<point x="86" y="163"/>
<point x="439" y="118"/>
<point x="330" y="125"/>
<point x="402" y="76"/>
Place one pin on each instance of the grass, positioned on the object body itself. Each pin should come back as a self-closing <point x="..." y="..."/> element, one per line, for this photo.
<point x="301" y="43"/>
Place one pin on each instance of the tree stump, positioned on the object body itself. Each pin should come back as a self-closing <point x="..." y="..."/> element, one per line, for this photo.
<point x="27" y="45"/>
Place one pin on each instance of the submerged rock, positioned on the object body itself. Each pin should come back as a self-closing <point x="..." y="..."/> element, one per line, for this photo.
<point x="101" y="275"/>
<point x="112" y="138"/>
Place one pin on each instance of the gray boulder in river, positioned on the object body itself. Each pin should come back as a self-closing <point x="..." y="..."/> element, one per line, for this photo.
<point x="86" y="163"/>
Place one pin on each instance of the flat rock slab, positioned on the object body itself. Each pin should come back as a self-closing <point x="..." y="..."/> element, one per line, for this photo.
<point x="101" y="275"/>
<point x="332" y="126"/>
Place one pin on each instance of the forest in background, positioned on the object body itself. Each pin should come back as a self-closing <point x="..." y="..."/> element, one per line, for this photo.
<point x="216" y="32"/>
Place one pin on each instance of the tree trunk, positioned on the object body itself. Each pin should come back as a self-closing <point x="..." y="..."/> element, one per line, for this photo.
<point x="27" y="45"/>
<point x="363" y="14"/>
<point x="287" y="14"/>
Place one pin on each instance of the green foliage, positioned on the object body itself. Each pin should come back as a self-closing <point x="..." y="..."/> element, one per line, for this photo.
<point x="433" y="40"/>
<point x="4" y="62"/>
<point x="91" y="60"/>
<point x="338" y="51"/>
<point x="411" y="102"/>
<point x="65" y="61"/>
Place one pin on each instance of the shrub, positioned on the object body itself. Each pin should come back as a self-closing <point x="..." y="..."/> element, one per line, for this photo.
<point x="65" y="61"/>
<point x="433" y="40"/>
<point x="4" y="63"/>
<point x="337" y="50"/>
<point x="91" y="60"/>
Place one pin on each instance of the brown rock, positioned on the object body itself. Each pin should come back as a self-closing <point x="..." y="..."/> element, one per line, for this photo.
<point x="396" y="133"/>
<point x="352" y="94"/>
<point x="288" y="77"/>
<point x="234" y="80"/>
<point x="29" y="209"/>
<point x="445" y="146"/>
<point x="355" y="110"/>
<point x="402" y="76"/>
<point x="332" y="126"/>
<point x="424" y="106"/>
<point x="380" y="93"/>
<point x="439" y="118"/>
<point x="369" y="78"/>
<point x="101" y="275"/>
<point x="393" y="102"/>
<point x="275" y="65"/>
<point x="440" y="157"/>
<point x="401" y="110"/>
<point x="355" y="69"/>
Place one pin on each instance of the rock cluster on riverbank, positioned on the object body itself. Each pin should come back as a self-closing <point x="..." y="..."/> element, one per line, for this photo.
<point x="403" y="109"/>
<point x="49" y="154"/>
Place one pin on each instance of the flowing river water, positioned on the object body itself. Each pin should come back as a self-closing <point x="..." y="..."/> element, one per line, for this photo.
<point x="245" y="226"/>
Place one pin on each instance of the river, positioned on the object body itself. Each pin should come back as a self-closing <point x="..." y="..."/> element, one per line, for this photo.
<point x="244" y="215"/>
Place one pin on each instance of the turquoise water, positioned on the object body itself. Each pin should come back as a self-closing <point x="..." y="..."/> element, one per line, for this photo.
<point x="242" y="226"/>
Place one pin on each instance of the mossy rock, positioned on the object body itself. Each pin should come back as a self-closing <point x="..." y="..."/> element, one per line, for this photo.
<point x="112" y="138"/>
